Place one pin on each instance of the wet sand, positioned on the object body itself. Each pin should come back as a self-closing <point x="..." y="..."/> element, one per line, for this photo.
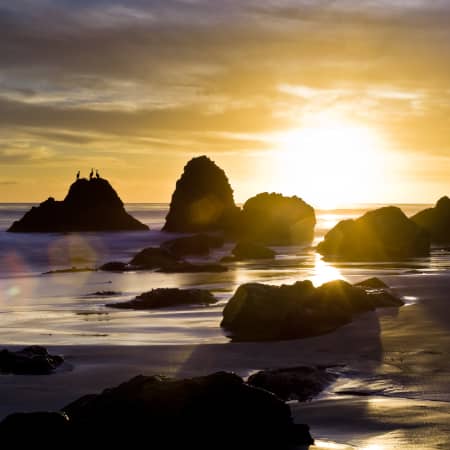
<point x="394" y="389"/>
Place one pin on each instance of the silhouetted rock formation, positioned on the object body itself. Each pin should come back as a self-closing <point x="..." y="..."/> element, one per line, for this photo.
<point x="216" y="411"/>
<point x="90" y="205"/>
<point x="250" y="250"/>
<point x="294" y="383"/>
<point x="203" y="199"/>
<point x="166" y="297"/>
<point x="382" y="234"/>
<point x="33" y="360"/>
<point x="264" y="312"/>
<point x="272" y="219"/>
<point x="199" y="244"/>
<point x="436" y="221"/>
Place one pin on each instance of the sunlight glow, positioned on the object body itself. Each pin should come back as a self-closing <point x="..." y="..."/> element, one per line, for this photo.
<point x="324" y="272"/>
<point x="329" y="160"/>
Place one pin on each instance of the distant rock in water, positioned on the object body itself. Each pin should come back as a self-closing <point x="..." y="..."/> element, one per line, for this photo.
<point x="90" y="205"/>
<point x="272" y="219"/>
<point x="218" y="411"/>
<point x="203" y="199"/>
<point x="259" y="312"/>
<point x="166" y="297"/>
<point x="436" y="221"/>
<point x="382" y="234"/>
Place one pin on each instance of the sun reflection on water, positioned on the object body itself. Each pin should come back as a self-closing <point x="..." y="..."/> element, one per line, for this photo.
<point x="324" y="272"/>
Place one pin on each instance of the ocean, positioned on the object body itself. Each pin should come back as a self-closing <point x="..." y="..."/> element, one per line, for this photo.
<point x="61" y="309"/>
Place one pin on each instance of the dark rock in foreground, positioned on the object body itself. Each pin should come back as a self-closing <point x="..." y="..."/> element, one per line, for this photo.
<point x="34" y="427"/>
<point x="295" y="383"/>
<point x="215" y="411"/>
<point x="163" y="298"/>
<point x="436" y="221"/>
<point x="250" y="250"/>
<point x="90" y="205"/>
<point x="272" y="219"/>
<point x="33" y="360"/>
<point x="382" y="234"/>
<point x="199" y="244"/>
<point x="264" y="312"/>
<point x="203" y="199"/>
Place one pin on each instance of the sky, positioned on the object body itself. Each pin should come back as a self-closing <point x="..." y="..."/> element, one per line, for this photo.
<point x="334" y="101"/>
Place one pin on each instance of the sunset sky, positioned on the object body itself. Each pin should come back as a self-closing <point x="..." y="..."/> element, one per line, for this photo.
<point x="335" y="101"/>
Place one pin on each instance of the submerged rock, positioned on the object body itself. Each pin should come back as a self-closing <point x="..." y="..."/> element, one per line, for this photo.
<point x="215" y="411"/>
<point x="166" y="297"/>
<point x="382" y="234"/>
<point x="250" y="250"/>
<point x="187" y="267"/>
<point x="264" y="312"/>
<point x="114" y="266"/>
<point x="372" y="283"/>
<point x="153" y="258"/>
<point x="70" y="270"/>
<point x="33" y="360"/>
<point x="436" y="221"/>
<point x="272" y="219"/>
<point x="203" y="199"/>
<point x="90" y="205"/>
<point x="199" y="244"/>
<point x="294" y="383"/>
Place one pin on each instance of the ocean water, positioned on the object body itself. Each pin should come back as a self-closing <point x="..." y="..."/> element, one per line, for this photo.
<point x="60" y="309"/>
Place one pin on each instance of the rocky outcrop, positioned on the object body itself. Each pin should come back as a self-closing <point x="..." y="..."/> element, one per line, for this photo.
<point x="203" y="199"/>
<point x="33" y="360"/>
<point x="294" y="383"/>
<point x="436" y="221"/>
<point x="215" y="411"/>
<point x="199" y="244"/>
<point x="250" y="250"/>
<point x="264" y="312"/>
<point x="90" y="205"/>
<point x="382" y="234"/>
<point x="166" y="297"/>
<point x="272" y="219"/>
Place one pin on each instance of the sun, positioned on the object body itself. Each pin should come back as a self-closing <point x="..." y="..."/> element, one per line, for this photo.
<point x="329" y="162"/>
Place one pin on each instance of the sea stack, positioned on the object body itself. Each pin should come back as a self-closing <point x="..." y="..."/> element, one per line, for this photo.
<point x="90" y="205"/>
<point x="379" y="235"/>
<point x="436" y="221"/>
<point x="203" y="199"/>
<point x="273" y="219"/>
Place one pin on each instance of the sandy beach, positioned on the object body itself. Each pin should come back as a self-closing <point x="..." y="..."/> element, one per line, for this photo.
<point x="394" y="385"/>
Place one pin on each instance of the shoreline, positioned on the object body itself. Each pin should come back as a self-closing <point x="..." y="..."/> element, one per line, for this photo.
<point x="398" y="359"/>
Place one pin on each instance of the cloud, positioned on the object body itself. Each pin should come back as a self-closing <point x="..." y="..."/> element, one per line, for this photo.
<point x="124" y="79"/>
